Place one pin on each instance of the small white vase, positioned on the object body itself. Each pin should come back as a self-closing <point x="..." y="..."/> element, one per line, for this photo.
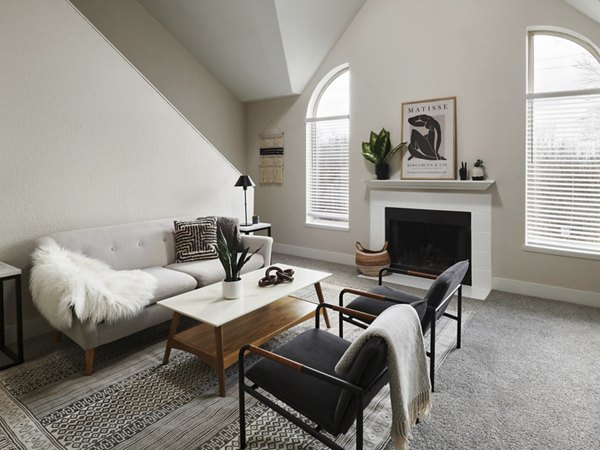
<point x="232" y="289"/>
<point x="477" y="173"/>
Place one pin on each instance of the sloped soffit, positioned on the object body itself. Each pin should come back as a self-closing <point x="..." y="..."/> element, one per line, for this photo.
<point x="259" y="49"/>
<point x="590" y="8"/>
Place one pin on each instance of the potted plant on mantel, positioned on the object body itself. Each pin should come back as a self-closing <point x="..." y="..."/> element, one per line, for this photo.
<point x="379" y="151"/>
<point x="478" y="170"/>
<point x="232" y="263"/>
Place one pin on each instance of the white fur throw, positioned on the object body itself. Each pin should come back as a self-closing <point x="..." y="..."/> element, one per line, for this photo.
<point x="65" y="282"/>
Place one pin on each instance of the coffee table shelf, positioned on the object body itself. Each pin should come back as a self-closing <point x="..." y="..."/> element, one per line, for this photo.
<point x="255" y="328"/>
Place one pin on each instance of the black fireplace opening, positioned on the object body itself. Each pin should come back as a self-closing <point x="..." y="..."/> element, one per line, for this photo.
<point x="428" y="241"/>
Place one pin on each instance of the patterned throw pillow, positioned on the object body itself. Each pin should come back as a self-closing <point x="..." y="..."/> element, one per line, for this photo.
<point x="195" y="240"/>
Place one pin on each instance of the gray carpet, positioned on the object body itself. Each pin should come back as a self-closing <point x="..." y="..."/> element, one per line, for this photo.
<point x="527" y="376"/>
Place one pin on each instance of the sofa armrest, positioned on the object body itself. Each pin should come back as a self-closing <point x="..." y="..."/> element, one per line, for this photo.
<point x="44" y="240"/>
<point x="253" y="242"/>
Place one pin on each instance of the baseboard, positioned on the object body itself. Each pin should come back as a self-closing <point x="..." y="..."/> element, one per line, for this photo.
<point x="501" y="284"/>
<point x="545" y="291"/>
<point x="334" y="257"/>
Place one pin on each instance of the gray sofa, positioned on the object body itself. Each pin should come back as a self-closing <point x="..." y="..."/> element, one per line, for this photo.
<point x="149" y="246"/>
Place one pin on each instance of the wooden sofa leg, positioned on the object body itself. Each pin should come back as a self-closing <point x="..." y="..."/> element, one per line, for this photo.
<point x="89" y="361"/>
<point x="57" y="336"/>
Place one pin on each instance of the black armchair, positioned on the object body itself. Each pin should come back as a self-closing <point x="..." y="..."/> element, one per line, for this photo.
<point x="301" y="374"/>
<point x="429" y="308"/>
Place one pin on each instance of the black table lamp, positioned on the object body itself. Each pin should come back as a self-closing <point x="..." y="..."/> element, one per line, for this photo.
<point x="245" y="181"/>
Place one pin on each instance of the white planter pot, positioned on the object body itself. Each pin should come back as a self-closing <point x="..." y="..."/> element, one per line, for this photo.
<point x="477" y="173"/>
<point x="232" y="289"/>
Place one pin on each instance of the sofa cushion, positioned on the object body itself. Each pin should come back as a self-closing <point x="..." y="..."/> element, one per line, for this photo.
<point x="122" y="247"/>
<point x="195" y="240"/>
<point x="170" y="282"/>
<point x="230" y="227"/>
<point x="211" y="271"/>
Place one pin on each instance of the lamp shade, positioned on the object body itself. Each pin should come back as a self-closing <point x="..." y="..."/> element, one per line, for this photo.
<point x="244" y="181"/>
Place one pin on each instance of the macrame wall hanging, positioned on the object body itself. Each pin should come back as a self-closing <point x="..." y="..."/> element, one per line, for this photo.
<point x="271" y="155"/>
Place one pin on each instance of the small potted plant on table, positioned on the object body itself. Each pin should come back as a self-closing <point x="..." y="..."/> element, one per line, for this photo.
<point x="232" y="263"/>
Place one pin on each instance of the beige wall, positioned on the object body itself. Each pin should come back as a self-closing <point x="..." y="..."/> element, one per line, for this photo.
<point x="174" y="71"/>
<point x="86" y="141"/>
<point x="399" y="51"/>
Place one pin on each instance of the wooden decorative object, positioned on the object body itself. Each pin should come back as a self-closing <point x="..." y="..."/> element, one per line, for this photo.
<point x="370" y="262"/>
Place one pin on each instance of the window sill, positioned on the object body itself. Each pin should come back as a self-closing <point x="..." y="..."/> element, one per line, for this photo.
<point x="561" y="252"/>
<point x="324" y="226"/>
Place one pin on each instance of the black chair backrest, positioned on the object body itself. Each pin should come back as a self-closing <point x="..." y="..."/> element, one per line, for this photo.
<point x="370" y="361"/>
<point x="442" y="287"/>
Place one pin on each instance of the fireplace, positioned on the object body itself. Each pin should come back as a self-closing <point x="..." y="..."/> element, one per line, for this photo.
<point x="428" y="241"/>
<point x="438" y="195"/>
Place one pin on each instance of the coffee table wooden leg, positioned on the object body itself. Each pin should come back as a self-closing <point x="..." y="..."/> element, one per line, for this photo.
<point x="172" y="333"/>
<point x="220" y="360"/>
<point x="322" y="300"/>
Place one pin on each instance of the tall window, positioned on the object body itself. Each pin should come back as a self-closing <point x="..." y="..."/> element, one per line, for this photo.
<point x="563" y="145"/>
<point x="327" y="153"/>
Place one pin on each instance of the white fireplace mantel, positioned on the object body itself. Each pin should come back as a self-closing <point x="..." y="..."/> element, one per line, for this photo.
<point x="474" y="197"/>
<point x="454" y="185"/>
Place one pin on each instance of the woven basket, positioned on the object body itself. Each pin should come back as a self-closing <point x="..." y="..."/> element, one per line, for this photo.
<point x="370" y="262"/>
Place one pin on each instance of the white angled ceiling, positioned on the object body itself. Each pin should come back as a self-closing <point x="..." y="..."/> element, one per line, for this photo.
<point x="259" y="49"/>
<point x="263" y="49"/>
<point x="590" y="8"/>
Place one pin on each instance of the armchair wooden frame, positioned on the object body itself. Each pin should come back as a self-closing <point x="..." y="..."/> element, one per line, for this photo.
<point x="431" y="316"/>
<point x="356" y="391"/>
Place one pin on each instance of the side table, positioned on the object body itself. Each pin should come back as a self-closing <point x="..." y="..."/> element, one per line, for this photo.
<point x="7" y="273"/>
<point x="247" y="229"/>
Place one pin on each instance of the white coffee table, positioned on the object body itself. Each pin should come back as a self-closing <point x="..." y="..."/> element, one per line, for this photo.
<point x="260" y="314"/>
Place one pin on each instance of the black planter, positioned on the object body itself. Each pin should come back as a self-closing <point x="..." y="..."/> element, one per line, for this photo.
<point x="382" y="170"/>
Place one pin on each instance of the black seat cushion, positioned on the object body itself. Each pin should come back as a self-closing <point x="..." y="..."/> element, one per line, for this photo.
<point x="324" y="403"/>
<point x="376" y="307"/>
<point x="314" y="398"/>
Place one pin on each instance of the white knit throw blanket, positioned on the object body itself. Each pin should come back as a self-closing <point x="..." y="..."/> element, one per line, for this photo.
<point x="410" y="389"/>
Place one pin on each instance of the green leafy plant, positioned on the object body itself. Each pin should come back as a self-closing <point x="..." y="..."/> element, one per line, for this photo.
<point x="479" y="163"/>
<point x="379" y="148"/>
<point x="228" y="255"/>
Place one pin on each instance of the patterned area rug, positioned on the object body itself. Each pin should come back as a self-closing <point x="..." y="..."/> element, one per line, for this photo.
<point x="134" y="402"/>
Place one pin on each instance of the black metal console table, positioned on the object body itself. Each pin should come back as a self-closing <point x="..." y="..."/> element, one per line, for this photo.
<point x="8" y="273"/>
<point x="251" y="228"/>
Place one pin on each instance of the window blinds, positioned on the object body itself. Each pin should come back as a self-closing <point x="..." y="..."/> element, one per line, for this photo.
<point x="328" y="168"/>
<point x="563" y="172"/>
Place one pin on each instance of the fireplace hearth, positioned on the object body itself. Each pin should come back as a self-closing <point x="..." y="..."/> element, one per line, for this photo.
<point x="428" y="241"/>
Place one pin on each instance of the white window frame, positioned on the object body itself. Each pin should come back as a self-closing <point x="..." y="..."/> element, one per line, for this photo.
<point x="311" y="220"/>
<point x="532" y="95"/>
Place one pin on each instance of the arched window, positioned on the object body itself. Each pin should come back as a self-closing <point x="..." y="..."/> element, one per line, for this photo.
<point x="563" y="145"/>
<point x="327" y="152"/>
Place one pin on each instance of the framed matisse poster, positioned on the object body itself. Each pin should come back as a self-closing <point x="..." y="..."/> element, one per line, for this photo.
<point x="429" y="128"/>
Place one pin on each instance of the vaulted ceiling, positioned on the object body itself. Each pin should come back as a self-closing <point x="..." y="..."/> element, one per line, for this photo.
<point x="590" y="8"/>
<point x="258" y="48"/>
<point x="263" y="49"/>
